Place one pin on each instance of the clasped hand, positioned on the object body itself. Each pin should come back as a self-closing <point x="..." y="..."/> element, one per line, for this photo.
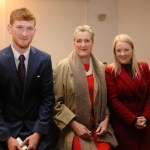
<point x="140" y="122"/>
<point x="83" y="132"/>
<point x="32" y="142"/>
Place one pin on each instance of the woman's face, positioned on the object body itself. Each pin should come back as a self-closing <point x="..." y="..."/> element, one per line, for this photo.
<point x="123" y="52"/>
<point x="83" y="44"/>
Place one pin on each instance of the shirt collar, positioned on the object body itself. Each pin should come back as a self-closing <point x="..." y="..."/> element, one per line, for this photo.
<point x="17" y="54"/>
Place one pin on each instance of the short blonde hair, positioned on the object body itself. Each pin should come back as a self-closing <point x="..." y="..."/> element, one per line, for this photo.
<point x="85" y="28"/>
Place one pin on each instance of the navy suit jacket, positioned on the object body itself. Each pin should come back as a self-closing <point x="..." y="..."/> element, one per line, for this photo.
<point x="32" y="108"/>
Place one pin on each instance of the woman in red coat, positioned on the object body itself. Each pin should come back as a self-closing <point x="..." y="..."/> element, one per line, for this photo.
<point x="128" y="83"/>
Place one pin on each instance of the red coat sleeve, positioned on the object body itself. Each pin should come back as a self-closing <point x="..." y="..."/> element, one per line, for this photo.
<point x="146" y="72"/>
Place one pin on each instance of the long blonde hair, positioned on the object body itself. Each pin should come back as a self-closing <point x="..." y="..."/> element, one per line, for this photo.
<point x="116" y="65"/>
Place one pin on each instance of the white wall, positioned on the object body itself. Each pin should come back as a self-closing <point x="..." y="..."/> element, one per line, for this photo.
<point x="57" y="19"/>
<point x="134" y="19"/>
<point x="104" y="30"/>
<point x="2" y="24"/>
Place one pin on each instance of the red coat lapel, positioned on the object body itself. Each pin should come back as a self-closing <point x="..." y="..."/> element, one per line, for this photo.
<point x="131" y="83"/>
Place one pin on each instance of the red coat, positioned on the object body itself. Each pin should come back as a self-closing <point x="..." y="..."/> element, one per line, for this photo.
<point x="128" y="99"/>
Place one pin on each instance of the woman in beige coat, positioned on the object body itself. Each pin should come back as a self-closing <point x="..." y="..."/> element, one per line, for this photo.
<point x="81" y="111"/>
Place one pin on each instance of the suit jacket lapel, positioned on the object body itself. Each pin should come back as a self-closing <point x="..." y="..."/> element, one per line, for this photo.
<point x="32" y="63"/>
<point x="11" y="67"/>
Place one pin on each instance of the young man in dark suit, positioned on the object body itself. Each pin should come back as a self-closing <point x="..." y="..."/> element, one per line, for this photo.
<point x="26" y="88"/>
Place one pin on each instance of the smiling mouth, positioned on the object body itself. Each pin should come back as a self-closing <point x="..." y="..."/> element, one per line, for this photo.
<point x="83" y="49"/>
<point x="23" y="39"/>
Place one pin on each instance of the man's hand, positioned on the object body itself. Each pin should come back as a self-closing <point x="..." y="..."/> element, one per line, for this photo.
<point x="32" y="141"/>
<point x="13" y="144"/>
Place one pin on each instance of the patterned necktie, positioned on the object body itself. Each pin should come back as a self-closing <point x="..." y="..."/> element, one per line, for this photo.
<point x="21" y="70"/>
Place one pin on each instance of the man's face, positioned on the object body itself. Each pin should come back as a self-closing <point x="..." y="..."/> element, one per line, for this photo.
<point x="22" y="33"/>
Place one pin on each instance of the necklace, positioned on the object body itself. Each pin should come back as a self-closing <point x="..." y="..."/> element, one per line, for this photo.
<point x="89" y="72"/>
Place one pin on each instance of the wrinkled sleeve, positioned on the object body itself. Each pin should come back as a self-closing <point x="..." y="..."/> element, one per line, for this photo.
<point x="62" y="114"/>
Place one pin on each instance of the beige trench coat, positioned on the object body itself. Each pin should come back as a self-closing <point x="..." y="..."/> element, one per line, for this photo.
<point x="64" y="110"/>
